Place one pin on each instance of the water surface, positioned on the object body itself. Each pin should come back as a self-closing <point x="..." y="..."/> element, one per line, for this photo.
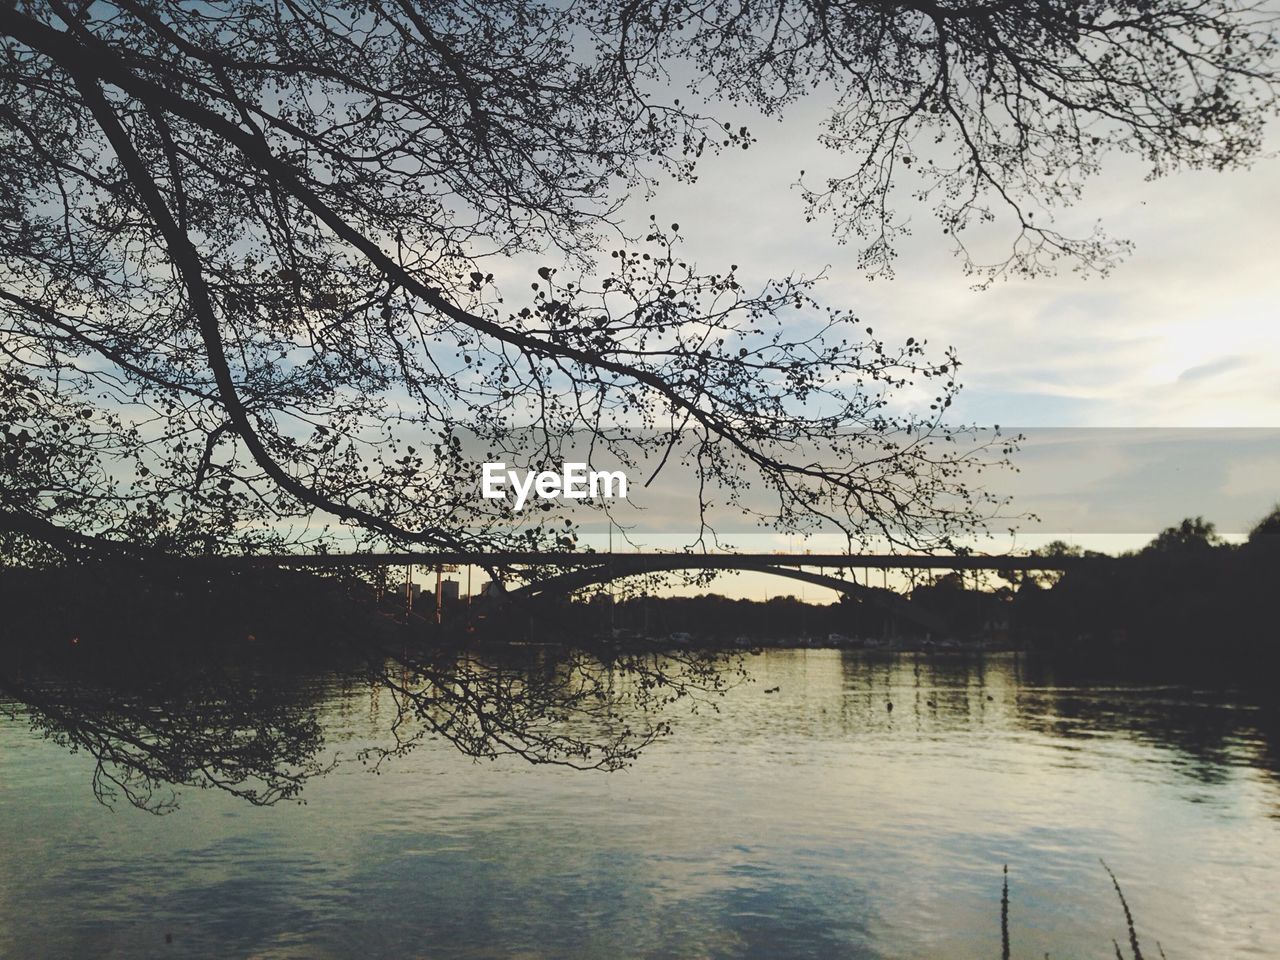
<point x="810" y="821"/>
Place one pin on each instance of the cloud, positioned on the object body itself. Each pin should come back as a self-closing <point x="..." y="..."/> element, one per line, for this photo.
<point x="1213" y="369"/>
<point x="1184" y="333"/>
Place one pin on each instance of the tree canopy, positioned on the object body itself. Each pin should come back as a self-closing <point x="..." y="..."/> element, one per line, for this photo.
<point x="264" y="264"/>
<point x="1267" y="529"/>
<point x="1192" y="535"/>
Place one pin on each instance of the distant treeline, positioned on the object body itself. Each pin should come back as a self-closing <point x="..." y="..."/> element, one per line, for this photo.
<point x="104" y="601"/>
<point x="1187" y="594"/>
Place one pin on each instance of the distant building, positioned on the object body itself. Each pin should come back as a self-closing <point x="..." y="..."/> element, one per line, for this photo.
<point x="448" y="590"/>
<point x="491" y="588"/>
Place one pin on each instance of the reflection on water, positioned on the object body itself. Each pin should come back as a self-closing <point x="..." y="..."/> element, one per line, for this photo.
<point x="797" y="815"/>
<point x="248" y="722"/>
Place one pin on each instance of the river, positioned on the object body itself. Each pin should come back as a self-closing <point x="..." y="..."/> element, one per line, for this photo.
<point x="794" y="815"/>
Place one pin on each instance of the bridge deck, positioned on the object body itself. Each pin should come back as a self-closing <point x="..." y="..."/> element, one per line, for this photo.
<point x="678" y="561"/>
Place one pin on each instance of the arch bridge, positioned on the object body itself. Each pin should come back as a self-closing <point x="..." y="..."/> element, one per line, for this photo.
<point x="578" y="570"/>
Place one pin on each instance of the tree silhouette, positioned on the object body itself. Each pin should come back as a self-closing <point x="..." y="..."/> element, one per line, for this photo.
<point x="983" y="111"/>
<point x="1267" y="529"/>
<point x="1192" y="535"/>
<point x="1045" y="578"/>
<point x="262" y="262"/>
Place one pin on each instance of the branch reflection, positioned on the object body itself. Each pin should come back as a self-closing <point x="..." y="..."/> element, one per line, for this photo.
<point x="248" y="722"/>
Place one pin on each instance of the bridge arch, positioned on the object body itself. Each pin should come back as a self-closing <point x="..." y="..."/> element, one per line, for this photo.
<point x="616" y="568"/>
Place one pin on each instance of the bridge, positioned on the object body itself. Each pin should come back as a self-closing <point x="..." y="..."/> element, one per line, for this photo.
<point x="587" y="568"/>
<point x="668" y="560"/>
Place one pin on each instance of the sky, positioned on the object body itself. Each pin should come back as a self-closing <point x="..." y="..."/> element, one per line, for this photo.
<point x="1147" y="395"/>
<point x="1182" y="334"/>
